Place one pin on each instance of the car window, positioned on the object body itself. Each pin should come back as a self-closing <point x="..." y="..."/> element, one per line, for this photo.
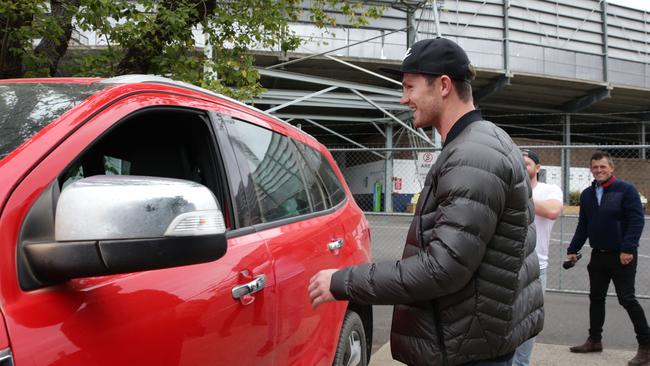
<point x="275" y="168"/>
<point x="333" y="187"/>
<point x="315" y="188"/>
<point x="112" y="166"/>
<point x="161" y="142"/>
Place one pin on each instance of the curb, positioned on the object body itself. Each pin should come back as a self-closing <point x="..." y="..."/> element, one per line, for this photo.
<point x="543" y="355"/>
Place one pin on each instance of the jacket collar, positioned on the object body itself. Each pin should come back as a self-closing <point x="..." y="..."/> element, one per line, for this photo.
<point x="464" y="121"/>
<point x="608" y="183"/>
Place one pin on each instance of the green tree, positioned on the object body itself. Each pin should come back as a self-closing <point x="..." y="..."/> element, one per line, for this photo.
<point x="156" y="36"/>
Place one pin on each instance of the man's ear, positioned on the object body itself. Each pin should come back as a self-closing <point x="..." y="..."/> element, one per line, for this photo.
<point x="446" y="84"/>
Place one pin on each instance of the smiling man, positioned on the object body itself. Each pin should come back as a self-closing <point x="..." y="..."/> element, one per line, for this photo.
<point x="611" y="216"/>
<point x="467" y="289"/>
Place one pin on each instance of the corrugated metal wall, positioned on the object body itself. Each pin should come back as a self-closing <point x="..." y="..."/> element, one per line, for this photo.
<point x="557" y="38"/>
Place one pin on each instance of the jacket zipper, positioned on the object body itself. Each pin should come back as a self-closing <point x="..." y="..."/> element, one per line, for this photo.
<point x="441" y="339"/>
<point x="434" y="305"/>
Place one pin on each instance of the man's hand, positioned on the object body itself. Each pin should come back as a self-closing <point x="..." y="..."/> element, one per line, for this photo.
<point x="626" y="258"/>
<point x="572" y="257"/>
<point x="319" y="288"/>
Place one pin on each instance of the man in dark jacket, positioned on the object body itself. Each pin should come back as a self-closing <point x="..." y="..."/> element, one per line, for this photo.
<point x="467" y="288"/>
<point x="612" y="218"/>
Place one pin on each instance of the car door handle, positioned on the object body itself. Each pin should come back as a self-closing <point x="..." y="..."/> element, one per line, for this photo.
<point x="249" y="288"/>
<point x="335" y="245"/>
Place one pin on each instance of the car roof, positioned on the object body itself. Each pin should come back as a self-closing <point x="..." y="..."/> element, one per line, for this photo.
<point x="64" y="80"/>
<point x="133" y="79"/>
<point x="154" y="79"/>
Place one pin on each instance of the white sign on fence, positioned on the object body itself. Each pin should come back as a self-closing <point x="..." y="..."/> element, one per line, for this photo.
<point x="424" y="163"/>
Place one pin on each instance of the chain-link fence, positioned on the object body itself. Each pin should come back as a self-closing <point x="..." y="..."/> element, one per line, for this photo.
<point x="366" y="170"/>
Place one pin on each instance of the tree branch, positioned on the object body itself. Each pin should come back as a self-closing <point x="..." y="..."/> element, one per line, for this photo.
<point x="51" y="50"/>
<point x="136" y="58"/>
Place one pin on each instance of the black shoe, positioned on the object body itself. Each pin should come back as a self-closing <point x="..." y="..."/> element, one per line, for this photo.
<point x="588" y="347"/>
<point x="642" y="356"/>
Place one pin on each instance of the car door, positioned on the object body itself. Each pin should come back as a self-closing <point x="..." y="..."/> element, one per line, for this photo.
<point x="304" y="234"/>
<point x="175" y="316"/>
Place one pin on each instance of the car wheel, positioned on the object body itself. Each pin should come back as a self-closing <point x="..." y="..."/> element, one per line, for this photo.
<point x="351" y="349"/>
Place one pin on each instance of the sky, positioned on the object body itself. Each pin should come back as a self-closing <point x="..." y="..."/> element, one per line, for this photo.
<point x="637" y="4"/>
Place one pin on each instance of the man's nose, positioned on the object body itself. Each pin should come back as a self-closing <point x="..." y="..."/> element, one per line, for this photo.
<point x="404" y="99"/>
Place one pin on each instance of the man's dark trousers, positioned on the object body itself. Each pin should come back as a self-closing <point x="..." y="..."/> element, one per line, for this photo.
<point x="606" y="265"/>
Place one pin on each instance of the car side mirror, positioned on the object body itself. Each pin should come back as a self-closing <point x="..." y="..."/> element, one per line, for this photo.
<point x="118" y="224"/>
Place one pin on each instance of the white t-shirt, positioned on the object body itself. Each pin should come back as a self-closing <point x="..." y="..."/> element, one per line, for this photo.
<point x="543" y="192"/>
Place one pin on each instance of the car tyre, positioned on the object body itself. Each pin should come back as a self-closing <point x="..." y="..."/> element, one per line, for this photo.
<point x="351" y="349"/>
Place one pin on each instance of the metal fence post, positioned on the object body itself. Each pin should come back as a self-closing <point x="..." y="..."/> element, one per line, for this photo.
<point x="566" y="159"/>
<point x="642" y="151"/>
<point x="388" y="195"/>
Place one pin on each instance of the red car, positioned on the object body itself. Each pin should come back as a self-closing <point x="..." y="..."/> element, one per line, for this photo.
<point x="145" y="221"/>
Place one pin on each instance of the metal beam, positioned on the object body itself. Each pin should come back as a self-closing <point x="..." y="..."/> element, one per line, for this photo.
<point x="506" y="37"/>
<point x="586" y="101"/>
<point x="554" y="132"/>
<point x="436" y="17"/>
<point x="305" y="97"/>
<point x="536" y="147"/>
<point x="379" y="129"/>
<point x="525" y="108"/>
<point x="333" y="103"/>
<point x="398" y="133"/>
<point x="495" y="86"/>
<point x="328" y="100"/>
<point x="343" y="137"/>
<point x="329" y="82"/>
<point x="411" y="32"/>
<point x="329" y="118"/>
<point x="642" y="117"/>
<point x="603" y="9"/>
<point x="333" y="50"/>
<point x="293" y="94"/>
<point x="425" y="138"/>
<point x="386" y="78"/>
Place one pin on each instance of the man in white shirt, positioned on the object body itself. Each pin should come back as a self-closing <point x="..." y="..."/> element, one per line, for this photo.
<point x="548" y="207"/>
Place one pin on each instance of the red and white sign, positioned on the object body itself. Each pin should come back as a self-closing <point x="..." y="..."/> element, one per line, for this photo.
<point x="397" y="184"/>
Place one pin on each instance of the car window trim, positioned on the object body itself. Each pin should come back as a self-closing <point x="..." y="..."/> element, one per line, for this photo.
<point x="281" y="222"/>
<point x="231" y="165"/>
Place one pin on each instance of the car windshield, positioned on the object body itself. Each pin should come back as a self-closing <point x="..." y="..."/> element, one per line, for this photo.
<point x="25" y="108"/>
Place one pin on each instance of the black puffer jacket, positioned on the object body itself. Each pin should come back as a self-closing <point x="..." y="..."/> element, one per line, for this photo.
<point x="468" y="284"/>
